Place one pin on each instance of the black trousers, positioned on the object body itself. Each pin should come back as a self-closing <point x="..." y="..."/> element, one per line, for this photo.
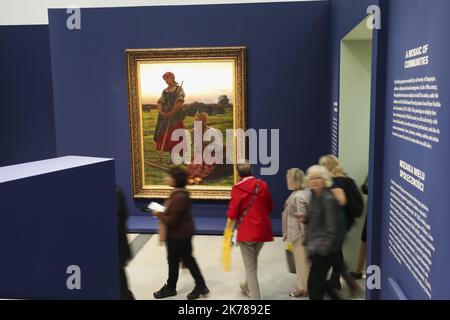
<point x="125" y="293"/>
<point x="181" y="250"/>
<point x="317" y="280"/>
<point x="339" y="265"/>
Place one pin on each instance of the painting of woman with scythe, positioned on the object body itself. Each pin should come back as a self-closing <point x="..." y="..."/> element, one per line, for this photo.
<point x="170" y="89"/>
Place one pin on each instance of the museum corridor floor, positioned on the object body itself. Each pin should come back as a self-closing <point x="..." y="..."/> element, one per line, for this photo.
<point x="147" y="272"/>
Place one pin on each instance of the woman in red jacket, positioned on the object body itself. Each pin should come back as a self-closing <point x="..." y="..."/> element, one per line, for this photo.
<point x="250" y="206"/>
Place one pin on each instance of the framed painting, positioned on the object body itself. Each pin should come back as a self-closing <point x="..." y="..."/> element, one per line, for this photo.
<point x="187" y="90"/>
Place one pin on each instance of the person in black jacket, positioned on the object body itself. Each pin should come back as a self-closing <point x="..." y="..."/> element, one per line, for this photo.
<point x="324" y="229"/>
<point x="180" y="229"/>
<point x="358" y="273"/>
<point x="124" y="249"/>
<point x="339" y="190"/>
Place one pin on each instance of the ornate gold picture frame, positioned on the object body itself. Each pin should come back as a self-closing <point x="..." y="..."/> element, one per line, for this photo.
<point x="171" y="88"/>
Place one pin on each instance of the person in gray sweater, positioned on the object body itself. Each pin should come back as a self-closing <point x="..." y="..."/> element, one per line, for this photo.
<point x="324" y="230"/>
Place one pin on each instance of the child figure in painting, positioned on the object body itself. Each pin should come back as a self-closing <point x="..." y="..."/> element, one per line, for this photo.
<point x="199" y="171"/>
<point x="170" y="115"/>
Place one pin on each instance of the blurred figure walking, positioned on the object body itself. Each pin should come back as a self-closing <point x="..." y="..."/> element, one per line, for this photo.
<point x="358" y="273"/>
<point x="323" y="230"/>
<point x="343" y="189"/>
<point x="124" y="249"/>
<point x="293" y="228"/>
<point x="180" y="229"/>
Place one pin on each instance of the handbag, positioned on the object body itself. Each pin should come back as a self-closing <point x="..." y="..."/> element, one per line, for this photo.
<point x="290" y="260"/>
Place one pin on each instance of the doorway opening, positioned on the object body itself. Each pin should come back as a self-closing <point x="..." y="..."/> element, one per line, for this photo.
<point x="354" y="119"/>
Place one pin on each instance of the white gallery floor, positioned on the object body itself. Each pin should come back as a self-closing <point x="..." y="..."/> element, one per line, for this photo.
<point x="147" y="272"/>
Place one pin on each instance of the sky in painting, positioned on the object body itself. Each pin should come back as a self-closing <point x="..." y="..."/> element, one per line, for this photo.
<point x="203" y="81"/>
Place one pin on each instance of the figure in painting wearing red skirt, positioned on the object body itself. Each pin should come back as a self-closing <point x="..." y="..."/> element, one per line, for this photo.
<point x="171" y="114"/>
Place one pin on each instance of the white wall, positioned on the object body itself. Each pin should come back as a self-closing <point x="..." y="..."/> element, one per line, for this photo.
<point x="29" y="12"/>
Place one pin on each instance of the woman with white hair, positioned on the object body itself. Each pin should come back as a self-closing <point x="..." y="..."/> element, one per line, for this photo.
<point x="293" y="228"/>
<point x="339" y="189"/>
<point x="323" y="230"/>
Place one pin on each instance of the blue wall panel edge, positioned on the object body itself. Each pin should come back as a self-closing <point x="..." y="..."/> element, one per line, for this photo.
<point x="406" y="25"/>
<point x="396" y="290"/>
<point x="27" y="128"/>
<point x="347" y="14"/>
<point x="377" y="127"/>
<point x="71" y="225"/>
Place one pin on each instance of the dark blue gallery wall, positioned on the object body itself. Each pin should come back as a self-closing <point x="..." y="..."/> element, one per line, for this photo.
<point x="288" y="77"/>
<point x="345" y="15"/>
<point x="376" y="145"/>
<point x="27" y="130"/>
<point x="413" y="23"/>
<point x="55" y="229"/>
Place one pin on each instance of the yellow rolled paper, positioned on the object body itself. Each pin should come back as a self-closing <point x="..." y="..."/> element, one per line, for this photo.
<point x="290" y="246"/>
<point x="227" y="237"/>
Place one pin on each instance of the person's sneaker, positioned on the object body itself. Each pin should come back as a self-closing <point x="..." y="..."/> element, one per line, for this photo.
<point x="199" y="291"/>
<point x="356" y="291"/>
<point x="299" y="294"/>
<point x="165" y="292"/>
<point x="244" y="289"/>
